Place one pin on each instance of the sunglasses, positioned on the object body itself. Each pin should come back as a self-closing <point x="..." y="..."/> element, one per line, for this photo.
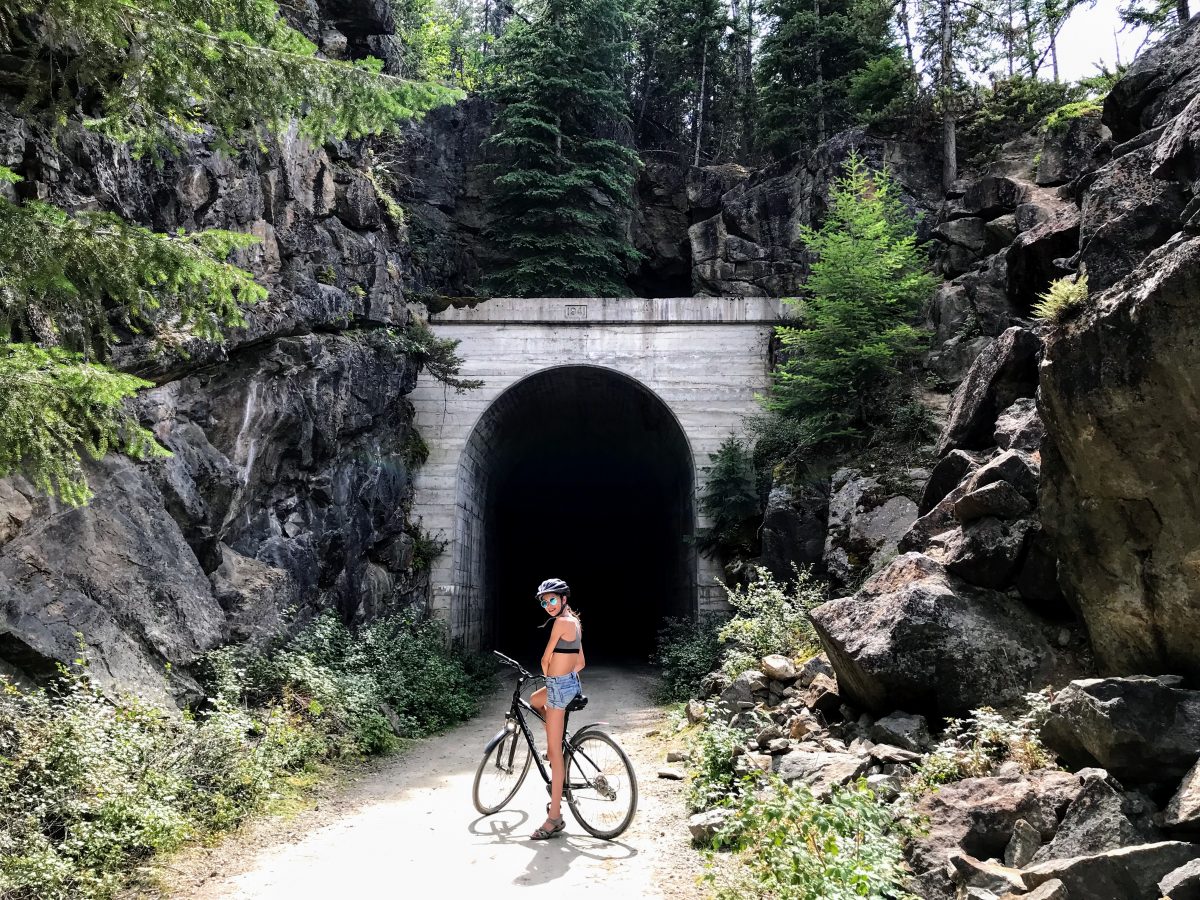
<point x="553" y="601"/>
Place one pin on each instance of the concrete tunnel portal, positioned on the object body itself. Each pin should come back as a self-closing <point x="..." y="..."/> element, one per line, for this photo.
<point x="582" y="456"/>
<point x="583" y="475"/>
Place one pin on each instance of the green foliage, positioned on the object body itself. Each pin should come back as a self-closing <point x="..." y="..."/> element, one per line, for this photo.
<point x="865" y="287"/>
<point x="973" y="746"/>
<point x="714" y="778"/>
<point x="441" y="41"/>
<point x="426" y="548"/>
<point x="155" y="69"/>
<point x="770" y="618"/>
<point x="438" y="356"/>
<point x="1064" y="295"/>
<point x="687" y="650"/>
<point x="1061" y="118"/>
<point x="52" y="405"/>
<point x="564" y="174"/>
<point x="1158" y="17"/>
<point x="90" y="787"/>
<point x="806" y="65"/>
<point x="731" y="502"/>
<point x="883" y="93"/>
<point x="1010" y="107"/>
<point x="792" y="846"/>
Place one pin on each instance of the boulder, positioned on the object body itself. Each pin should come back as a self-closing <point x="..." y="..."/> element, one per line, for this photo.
<point x="1068" y="152"/>
<point x="1003" y="373"/>
<point x="1020" y="427"/>
<point x="986" y="551"/>
<point x="866" y="522"/>
<point x="1015" y="467"/>
<point x="1177" y="154"/>
<point x="990" y="196"/>
<point x="793" y="529"/>
<point x="1095" y="822"/>
<point x="742" y="689"/>
<point x="696" y="711"/>
<point x="818" y="665"/>
<point x="1122" y="460"/>
<point x="914" y="637"/>
<point x="902" y="729"/>
<point x="1037" y="578"/>
<point x="1033" y="256"/>
<point x="1126" y="213"/>
<point x="1048" y="890"/>
<point x="253" y="595"/>
<point x="969" y="872"/>
<point x="705" y="825"/>
<point x="1120" y="874"/>
<point x="1141" y="729"/>
<point x="779" y="668"/>
<point x="1022" y="845"/>
<point x="820" y="770"/>
<point x="822" y="695"/>
<point x="1183" y="812"/>
<point x="16" y="506"/>
<point x="1157" y="85"/>
<point x="707" y="184"/>
<point x="999" y="499"/>
<point x="1182" y="883"/>
<point x="951" y="471"/>
<point x="978" y="816"/>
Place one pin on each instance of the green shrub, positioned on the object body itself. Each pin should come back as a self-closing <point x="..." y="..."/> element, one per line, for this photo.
<point x="89" y="786"/>
<point x="1063" y="116"/>
<point x="883" y="93"/>
<point x="793" y="846"/>
<point x="972" y="747"/>
<point x="1007" y="109"/>
<point x="1064" y="295"/>
<point x="731" y="502"/>
<point x="688" y="649"/>
<point x="713" y="777"/>
<point x="770" y="618"/>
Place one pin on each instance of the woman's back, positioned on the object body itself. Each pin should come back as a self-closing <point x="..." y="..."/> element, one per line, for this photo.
<point x="563" y="659"/>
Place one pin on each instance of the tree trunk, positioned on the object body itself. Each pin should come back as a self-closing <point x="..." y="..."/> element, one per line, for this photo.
<point x="1182" y="10"/>
<point x="902" y="20"/>
<point x="1054" y="53"/>
<point x="949" y="137"/>
<point x="646" y="91"/>
<point x="700" y="103"/>
<point x="1009" y="41"/>
<point x="820" y="78"/>
<point x="1030" y="53"/>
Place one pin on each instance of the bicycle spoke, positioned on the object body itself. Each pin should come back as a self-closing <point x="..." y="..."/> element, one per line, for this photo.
<point x="603" y="792"/>
<point x="500" y="773"/>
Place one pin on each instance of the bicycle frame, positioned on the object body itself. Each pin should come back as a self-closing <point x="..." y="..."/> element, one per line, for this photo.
<point x="516" y="715"/>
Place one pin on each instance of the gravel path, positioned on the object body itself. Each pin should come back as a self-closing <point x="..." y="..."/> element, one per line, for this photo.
<point x="408" y="825"/>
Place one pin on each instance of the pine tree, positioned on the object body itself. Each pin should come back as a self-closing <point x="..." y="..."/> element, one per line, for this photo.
<point x="808" y="57"/>
<point x="731" y="502"/>
<point x="562" y="188"/>
<point x="865" y="287"/>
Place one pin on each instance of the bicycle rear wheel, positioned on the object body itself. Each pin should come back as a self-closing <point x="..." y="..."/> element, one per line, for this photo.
<point x="500" y="773"/>
<point x="602" y="789"/>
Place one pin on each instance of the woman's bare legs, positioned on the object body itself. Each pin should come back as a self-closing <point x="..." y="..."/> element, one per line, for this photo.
<point x="555" y="722"/>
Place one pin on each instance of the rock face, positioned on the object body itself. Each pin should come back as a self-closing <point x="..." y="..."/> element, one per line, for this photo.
<point x="1117" y="396"/>
<point x="292" y="443"/>
<point x="916" y="638"/>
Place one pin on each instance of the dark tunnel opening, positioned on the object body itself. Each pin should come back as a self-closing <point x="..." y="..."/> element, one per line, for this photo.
<point x="590" y="480"/>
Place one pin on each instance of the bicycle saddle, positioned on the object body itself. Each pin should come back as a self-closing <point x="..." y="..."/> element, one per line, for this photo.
<point x="577" y="704"/>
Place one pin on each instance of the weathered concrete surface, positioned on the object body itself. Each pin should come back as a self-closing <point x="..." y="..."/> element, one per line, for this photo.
<point x="703" y="358"/>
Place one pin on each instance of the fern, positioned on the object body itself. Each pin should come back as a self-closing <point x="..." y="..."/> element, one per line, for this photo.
<point x="1064" y="294"/>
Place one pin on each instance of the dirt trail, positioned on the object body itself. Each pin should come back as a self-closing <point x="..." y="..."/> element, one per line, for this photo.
<point x="409" y="826"/>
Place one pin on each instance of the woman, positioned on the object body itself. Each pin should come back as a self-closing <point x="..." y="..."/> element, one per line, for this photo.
<point x="561" y="664"/>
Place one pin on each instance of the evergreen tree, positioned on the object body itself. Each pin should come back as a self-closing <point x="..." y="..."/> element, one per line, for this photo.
<point x="731" y="502"/>
<point x="806" y="63"/>
<point x="562" y="189"/>
<point x="147" y="73"/>
<point x="865" y="287"/>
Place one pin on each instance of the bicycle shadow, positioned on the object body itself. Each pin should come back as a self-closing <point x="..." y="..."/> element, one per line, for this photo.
<point x="553" y="858"/>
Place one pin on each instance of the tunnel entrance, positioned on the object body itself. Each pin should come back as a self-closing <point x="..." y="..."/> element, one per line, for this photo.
<point x="579" y="473"/>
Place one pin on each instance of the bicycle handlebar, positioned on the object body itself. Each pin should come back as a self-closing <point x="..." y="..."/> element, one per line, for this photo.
<point x="508" y="661"/>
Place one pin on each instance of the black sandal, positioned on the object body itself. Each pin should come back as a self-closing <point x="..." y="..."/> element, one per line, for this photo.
<point x="545" y="833"/>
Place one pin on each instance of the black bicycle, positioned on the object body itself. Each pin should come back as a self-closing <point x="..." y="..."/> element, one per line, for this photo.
<point x="600" y="786"/>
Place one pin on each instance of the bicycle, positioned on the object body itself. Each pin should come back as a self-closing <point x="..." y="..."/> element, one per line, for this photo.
<point x="600" y="786"/>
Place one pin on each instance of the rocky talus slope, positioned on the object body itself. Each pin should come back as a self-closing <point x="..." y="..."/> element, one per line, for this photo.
<point x="293" y="445"/>
<point x="1054" y="538"/>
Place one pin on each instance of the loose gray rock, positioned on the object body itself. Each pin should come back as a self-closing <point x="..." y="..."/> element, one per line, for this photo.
<point x="820" y="770"/>
<point x="779" y="668"/>
<point x="1183" y="812"/>
<point x="999" y="499"/>
<point x="1020" y="427"/>
<point x="1141" y="729"/>
<point x="917" y="638"/>
<point x="705" y="825"/>
<point x="818" y="665"/>
<point x="951" y="470"/>
<point x="1182" y="883"/>
<point x="1095" y="822"/>
<point x="670" y="774"/>
<point x="987" y="551"/>
<point x="1023" y="845"/>
<point x="696" y="711"/>
<point x="902" y="729"/>
<point x="822" y="695"/>
<point x="1119" y="874"/>
<point x="969" y="872"/>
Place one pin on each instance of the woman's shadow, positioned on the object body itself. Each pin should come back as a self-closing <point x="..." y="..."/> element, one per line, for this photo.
<point x="551" y="858"/>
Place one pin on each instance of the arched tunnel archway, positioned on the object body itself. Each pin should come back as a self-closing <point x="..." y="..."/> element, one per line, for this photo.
<point x="581" y="473"/>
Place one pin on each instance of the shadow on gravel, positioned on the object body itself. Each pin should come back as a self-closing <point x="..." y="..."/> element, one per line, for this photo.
<point x="552" y="858"/>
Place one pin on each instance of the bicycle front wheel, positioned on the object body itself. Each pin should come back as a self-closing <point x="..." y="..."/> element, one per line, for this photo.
<point x="500" y="773"/>
<point x="602" y="789"/>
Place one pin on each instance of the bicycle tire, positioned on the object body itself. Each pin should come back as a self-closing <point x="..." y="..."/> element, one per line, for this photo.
<point x="515" y="742"/>
<point x="586" y="795"/>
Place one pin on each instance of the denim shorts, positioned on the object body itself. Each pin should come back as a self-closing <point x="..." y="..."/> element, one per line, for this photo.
<point x="561" y="689"/>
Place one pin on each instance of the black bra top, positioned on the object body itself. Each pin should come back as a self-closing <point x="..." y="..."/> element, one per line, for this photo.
<point x="571" y="646"/>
